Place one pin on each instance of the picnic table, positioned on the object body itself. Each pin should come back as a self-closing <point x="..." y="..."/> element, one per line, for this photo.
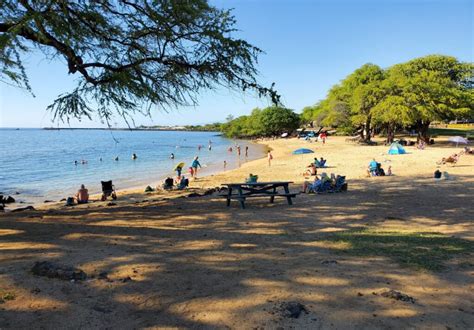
<point x="242" y="191"/>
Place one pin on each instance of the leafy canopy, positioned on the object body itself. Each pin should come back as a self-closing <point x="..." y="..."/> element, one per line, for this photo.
<point x="128" y="55"/>
<point x="267" y="122"/>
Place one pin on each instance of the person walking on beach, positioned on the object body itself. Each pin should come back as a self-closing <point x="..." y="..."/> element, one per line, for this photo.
<point x="195" y="166"/>
<point x="246" y="151"/>
<point x="225" y="164"/>
<point x="269" y="157"/>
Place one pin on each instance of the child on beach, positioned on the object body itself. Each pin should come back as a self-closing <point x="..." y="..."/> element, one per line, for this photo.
<point x="269" y="157"/>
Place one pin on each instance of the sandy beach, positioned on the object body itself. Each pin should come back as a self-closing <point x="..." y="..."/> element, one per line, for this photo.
<point x="168" y="260"/>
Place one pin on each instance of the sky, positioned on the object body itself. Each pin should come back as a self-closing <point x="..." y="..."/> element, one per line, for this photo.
<point x="309" y="46"/>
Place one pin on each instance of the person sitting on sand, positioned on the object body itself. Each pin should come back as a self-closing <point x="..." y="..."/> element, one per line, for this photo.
<point x="168" y="183"/>
<point x="389" y="171"/>
<point x="82" y="195"/>
<point x="312" y="170"/>
<point x="183" y="183"/>
<point x="252" y="178"/>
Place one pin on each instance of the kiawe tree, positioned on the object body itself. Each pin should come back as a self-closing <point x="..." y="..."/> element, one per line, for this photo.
<point x="430" y="88"/>
<point x="128" y="55"/>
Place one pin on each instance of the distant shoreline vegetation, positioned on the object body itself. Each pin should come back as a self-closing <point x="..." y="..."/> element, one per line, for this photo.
<point x="191" y="128"/>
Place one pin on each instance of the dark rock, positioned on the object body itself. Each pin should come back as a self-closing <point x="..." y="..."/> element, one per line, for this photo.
<point x="126" y="279"/>
<point x="2" y="208"/>
<point x="17" y="193"/>
<point x="292" y="309"/>
<point x="48" y="201"/>
<point x="53" y="270"/>
<point x="103" y="276"/>
<point x="101" y="309"/>
<point x="111" y="204"/>
<point x="26" y="208"/>
<point x="9" y="200"/>
<point x="36" y="290"/>
<point x="360" y="294"/>
<point x="329" y="262"/>
<point x="62" y="200"/>
<point x="209" y="192"/>
<point x="194" y="195"/>
<point x="392" y="294"/>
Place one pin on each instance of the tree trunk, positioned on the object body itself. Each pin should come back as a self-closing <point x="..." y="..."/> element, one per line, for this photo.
<point x="423" y="131"/>
<point x="367" y="129"/>
<point x="390" y="134"/>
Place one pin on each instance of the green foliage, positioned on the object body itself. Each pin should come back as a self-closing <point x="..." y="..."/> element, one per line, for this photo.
<point x="214" y="127"/>
<point x="267" y="122"/>
<point x="129" y="55"/>
<point x="411" y="94"/>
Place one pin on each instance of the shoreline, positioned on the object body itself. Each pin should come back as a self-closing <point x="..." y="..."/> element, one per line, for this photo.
<point x="287" y="167"/>
<point x="138" y="188"/>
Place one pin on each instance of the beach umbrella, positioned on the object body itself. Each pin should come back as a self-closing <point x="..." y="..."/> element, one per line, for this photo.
<point x="303" y="151"/>
<point x="458" y="139"/>
<point x="178" y="165"/>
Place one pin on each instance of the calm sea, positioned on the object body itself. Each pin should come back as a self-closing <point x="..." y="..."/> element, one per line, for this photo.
<point x="39" y="164"/>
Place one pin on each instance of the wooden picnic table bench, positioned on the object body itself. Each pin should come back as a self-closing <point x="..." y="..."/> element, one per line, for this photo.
<point x="242" y="191"/>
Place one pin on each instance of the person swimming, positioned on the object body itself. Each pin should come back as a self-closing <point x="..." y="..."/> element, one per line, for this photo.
<point x="172" y="156"/>
<point x="134" y="156"/>
<point x="116" y="159"/>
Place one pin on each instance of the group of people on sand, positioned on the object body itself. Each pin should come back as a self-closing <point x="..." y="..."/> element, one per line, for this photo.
<point x="325" y="183"/>
<point x="375" y="169"/>
<point x="180" y="182"/>
<point x="312" y="169"/>
<point x="453" y="158"/>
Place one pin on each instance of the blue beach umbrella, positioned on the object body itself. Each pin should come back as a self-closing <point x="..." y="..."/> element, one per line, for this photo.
<point x="303" y="151"/>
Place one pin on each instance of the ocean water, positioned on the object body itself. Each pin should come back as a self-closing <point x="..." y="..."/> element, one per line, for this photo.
<point x="39" y="164"/>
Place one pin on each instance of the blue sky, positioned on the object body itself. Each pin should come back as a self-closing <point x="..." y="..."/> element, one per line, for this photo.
<point x="309" y="46"/>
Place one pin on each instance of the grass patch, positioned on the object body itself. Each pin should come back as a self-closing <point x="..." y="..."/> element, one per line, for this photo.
<point x="421" y="250"/>
<point x="6" y="296"/>
<point x="451" y="131"/>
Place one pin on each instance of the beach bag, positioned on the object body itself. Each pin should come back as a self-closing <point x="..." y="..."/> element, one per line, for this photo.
<point x="437" y="174"/>
<point x="69" y="201"/>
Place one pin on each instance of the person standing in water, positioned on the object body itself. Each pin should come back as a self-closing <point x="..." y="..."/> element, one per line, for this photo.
<point x="195" y="166"/>
<point x="134" y="156"/>
<point x="225" y="164"/>
<point x="246" y="151"/>
<point x="238" y="150"/>
<point x="172" y="156"/>
<point x="269" y="157"/>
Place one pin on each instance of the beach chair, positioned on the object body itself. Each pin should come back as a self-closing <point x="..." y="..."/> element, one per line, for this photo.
<point x="108" y="189"/>
<point x="320" y="164"/>
<point x="339" y="186"/>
